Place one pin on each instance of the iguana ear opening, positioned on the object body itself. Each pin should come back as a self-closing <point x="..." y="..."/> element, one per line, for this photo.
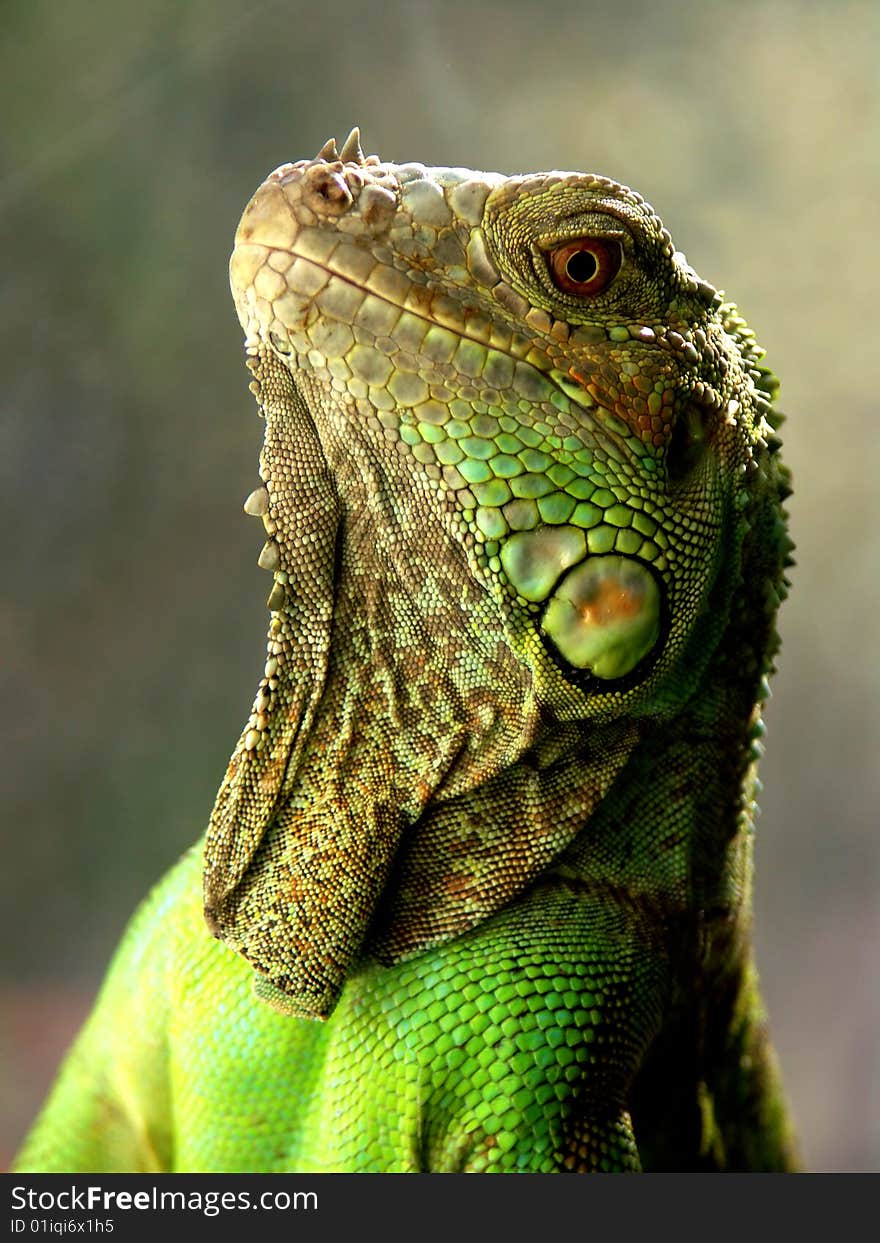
<point x="289" y="881"/>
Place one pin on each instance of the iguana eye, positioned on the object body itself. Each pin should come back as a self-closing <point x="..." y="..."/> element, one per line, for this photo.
<point x="586" y="265"/>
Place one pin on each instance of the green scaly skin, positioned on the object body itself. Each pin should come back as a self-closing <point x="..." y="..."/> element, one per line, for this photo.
<point x="490" y="818"/>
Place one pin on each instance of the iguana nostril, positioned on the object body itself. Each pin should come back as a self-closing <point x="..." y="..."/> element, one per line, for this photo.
<point x="326" y="189"/>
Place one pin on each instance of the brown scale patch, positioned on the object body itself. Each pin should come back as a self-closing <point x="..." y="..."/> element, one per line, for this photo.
<point x="609" y="602"/>
<point x="458" y="885"/>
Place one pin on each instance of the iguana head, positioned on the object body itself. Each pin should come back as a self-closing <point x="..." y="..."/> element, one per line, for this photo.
<point x="512" y="444"/>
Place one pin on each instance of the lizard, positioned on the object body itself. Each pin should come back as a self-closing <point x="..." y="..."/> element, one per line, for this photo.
<point x="476" y="891"/>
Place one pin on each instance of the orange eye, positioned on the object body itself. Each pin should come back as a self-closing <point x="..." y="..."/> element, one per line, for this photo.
<point x="586" y="265"/>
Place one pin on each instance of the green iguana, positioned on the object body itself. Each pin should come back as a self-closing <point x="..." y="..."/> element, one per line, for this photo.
<point x="490" y="818"/>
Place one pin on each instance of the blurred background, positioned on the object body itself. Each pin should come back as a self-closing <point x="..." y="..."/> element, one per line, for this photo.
<point x="133" y="616"/>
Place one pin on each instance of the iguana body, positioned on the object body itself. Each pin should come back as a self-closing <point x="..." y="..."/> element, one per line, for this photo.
<point x="490" y="817"/>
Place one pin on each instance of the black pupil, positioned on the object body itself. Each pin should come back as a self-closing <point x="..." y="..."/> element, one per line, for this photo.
<point x="582" y="266"/>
